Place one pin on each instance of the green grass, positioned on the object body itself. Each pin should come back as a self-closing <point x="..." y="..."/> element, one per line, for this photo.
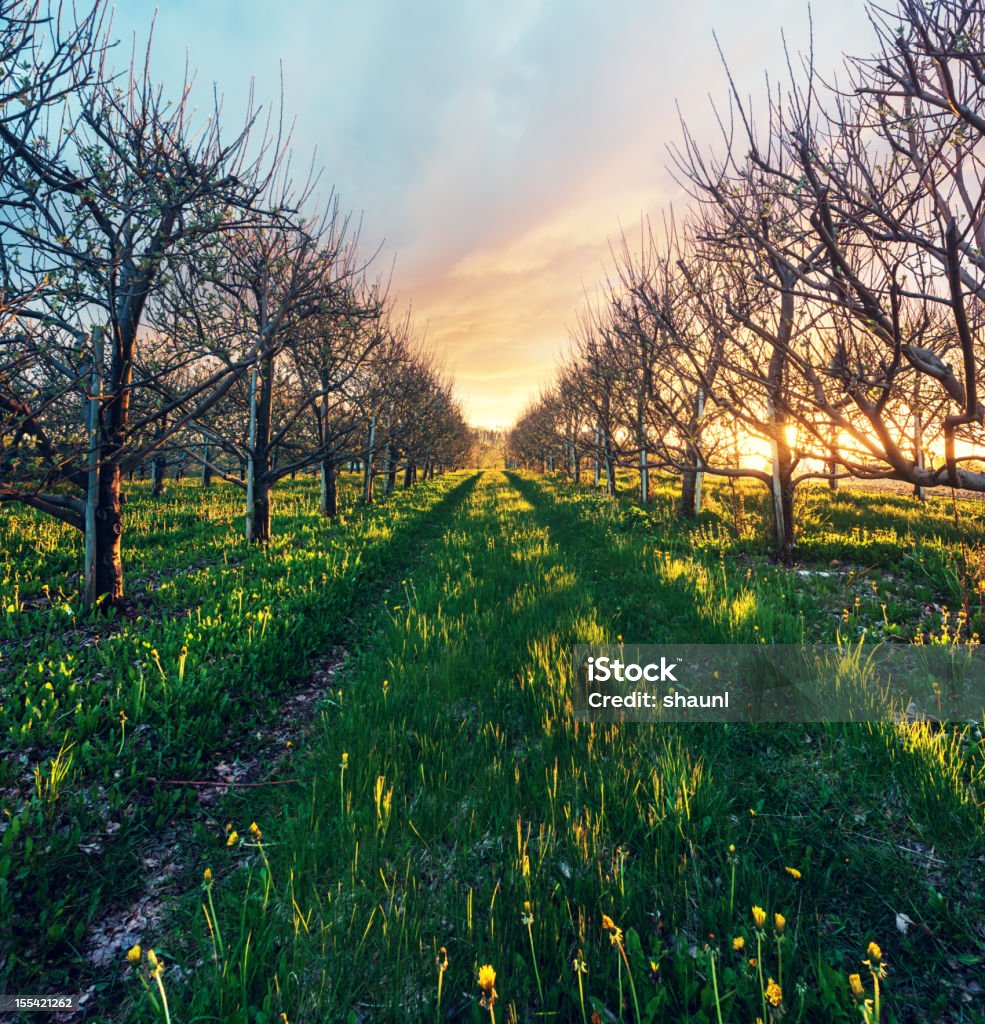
<point x="94" y="710"/>
<point x="450" y="799"/>
<point x="446" y="797"/>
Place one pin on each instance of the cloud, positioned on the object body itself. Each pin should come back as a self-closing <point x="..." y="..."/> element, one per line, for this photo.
<point x="495" y="147"/>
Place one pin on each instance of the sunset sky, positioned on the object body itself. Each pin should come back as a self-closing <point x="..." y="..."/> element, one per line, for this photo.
<point x="493" y="149"/>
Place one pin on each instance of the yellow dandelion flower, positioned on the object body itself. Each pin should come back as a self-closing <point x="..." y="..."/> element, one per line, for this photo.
<point x="780" y="922"/>
<point x="255" y="831"/>
<point x="855" y="983"/>
<point x="442" y="959"/>
<point x="487" y="977"/>
<point x="157" y="966"/>
<point x="758" y="917"/>
<point x="731" y="847"/>
<point x="774" y="994"/>
<point x="133" y="954"/>
<point x="233" y="838"/>
<point x="738" y="943"/>
<point x="752" y="962"/>
<point x="207" y="875"/>
<point x="793" y="873"/>
<point x="875" y="953"/>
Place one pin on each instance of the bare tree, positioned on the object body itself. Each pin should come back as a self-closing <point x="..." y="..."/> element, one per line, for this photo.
<point x="109" y="192"/>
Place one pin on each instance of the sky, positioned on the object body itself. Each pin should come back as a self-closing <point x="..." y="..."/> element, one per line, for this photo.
<point x="494" y="150"/>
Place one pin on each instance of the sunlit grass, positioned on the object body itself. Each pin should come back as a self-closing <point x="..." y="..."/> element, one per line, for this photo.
<point x="451" y="813"/>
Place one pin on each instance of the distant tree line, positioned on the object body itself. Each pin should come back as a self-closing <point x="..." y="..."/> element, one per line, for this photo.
<point x="171" y="295"/>
<point x="823" y="292"/>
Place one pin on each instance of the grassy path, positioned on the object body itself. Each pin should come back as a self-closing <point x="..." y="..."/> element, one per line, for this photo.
<point x="165" y="696"/>
<point x="450" y="800"/>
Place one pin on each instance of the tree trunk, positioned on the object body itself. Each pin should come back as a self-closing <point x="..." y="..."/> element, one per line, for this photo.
<point x="408" y="474"/>
<point x="258" y="479"/>
<point x="920" y="493"/>
<point x="261" y="510"/>
<point x="109" y="531"/>
<point x="598" y="460"/>
<point x="782" y="493"/>
<point x="206" y="468"/>
<point x="368" y="470"/>
<point x="157" y="476"/>
<point x="329" y="489"/>
<point x="689" y="493"/>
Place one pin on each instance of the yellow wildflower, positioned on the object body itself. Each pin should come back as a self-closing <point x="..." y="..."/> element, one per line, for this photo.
<point x="738" y="943"/>
<point x="875" y="953"/>
<point x="207" y="875"/>
<point x="793" y="873"/>
<point x="487" y="982"/>
<point x="781" y="923"/>
<point x="774" y="994"/>
<point x="255" y="831"/>
<point x="610" y="926"/>
<point x="233" y="838"/>
<point x="133" y="954"/>
<point x="758" y="916"/>
<point x="156" y="966"/>
<point x="855" y="982"/>
<point x="731" y="848"/>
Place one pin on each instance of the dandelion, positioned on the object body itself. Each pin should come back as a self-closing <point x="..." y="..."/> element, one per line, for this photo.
<point x="616" y="938"/>
<point x="233" y="838"/>
<point x="255" y="831"/>
<point x="738" y="944"/>
<point x="610" y="926"/>
<point x="875" y="953"/>
<point x="774" y="994"/>
<point x="759" y="917"/>
<point x="581" y="969"/>
<point x="793" y="873"/>
<point x="855" y="983"/>
<point x="731" y="849"/>
<point x="207" y="876"/>
<point x="133" y="954"/>
<point x="654" y="970"/>
<point x="527" y="919"/>
<point x="753" y="962"/>
<point x="442" y="962"/>
<point x="780" y="922"/>
<point x="487" y="983"/>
